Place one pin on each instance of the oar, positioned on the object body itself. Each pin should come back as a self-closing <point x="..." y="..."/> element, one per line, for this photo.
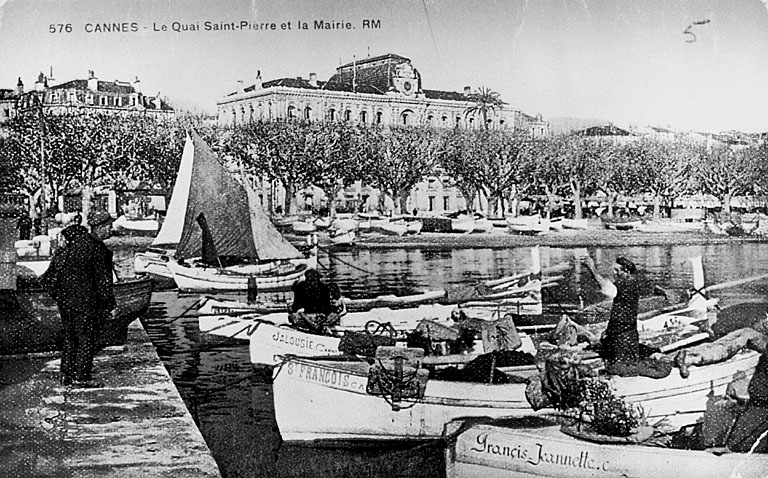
<point x="733" y="283"/>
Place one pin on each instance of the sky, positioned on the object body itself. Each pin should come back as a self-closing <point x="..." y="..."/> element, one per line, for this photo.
<point x="628" y="62"/>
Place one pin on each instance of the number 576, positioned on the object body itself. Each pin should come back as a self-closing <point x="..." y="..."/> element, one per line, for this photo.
<point x="60" y="28"/>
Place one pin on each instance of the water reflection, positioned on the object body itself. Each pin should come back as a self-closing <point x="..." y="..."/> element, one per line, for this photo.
<point x="233" y="406"/>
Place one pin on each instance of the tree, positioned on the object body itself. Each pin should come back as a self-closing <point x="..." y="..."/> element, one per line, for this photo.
<point x="725" y="173"/>
<point x="279" y="151"/>
<point x="459" y="158"/>
<point x="662" y="169"/>
<point x="405" y="156"/>
<point x="485" y="101"/>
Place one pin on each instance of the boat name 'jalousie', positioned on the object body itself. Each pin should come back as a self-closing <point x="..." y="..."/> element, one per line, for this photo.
<point x="299" y="342"/>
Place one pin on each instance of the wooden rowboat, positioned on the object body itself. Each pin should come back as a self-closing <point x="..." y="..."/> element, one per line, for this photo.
<point x="30" y="319"/>
<point x="537" y="447"/>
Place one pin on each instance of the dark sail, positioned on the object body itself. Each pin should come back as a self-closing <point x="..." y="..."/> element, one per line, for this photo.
<point x="238" y="226"/>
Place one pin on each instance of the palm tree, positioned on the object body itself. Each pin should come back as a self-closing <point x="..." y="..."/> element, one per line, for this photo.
<point x="485" y="100"/>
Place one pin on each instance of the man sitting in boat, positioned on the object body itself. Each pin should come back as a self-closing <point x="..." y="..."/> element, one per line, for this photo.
<point x="620" y="345"/>
<point x="315" y="305"/>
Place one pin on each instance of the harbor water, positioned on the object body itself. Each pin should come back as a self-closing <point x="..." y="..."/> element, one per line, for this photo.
<point x="232" y="403"/>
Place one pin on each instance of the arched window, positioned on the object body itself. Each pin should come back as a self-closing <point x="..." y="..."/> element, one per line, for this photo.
<point x="291" y="111"/>
<point x="307" y="113"/>
<point x="406" y="117"/>
<point x="444" y="119"/>
<point x="379" y="117"/>
<point x="430" y="120"/>
<point x="363" y="116"/>
<point x="250" y="113"/>
<point x="331" y="114"/>
<point x="347" y="115"/>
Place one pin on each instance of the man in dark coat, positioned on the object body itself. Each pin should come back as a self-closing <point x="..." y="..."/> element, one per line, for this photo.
<point x="315" y="304"/>
<point x="80" y="280"/>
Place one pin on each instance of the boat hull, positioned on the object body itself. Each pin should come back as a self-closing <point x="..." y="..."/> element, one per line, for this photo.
<point x="204" y="279"/>
<point x="31" y="321"/>
<point x="538" y="449"/>
<point x="314" y="400"/>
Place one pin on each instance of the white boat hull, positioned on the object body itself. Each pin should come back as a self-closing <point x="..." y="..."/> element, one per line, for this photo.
<point x="520" y="449"/>
<point x="325" y="400"/>
<point x="199" y="279"/>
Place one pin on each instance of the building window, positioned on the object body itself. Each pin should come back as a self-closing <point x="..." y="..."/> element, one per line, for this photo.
<point x="431" y="203"/>
<point x="103" y="101"/>
<point x="307" y="113"/>
<point x="363" y="116"/>
<point x="471" y="122"/>
<point x="331" y="114"/>
<point x="458" y="121"/>
<point x="444" y="119"/>
<point x="405" y="117"/>
<point x="446" y="202"/>
<point x="379" y="117"/>
<point x="291" y="111"/>
<point x="347" y="115"/>
<point x="250" y="113"/>
<point x="430" y="120"/>
<point x="133" y="101"/>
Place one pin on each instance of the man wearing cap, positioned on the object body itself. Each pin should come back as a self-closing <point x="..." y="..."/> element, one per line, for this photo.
<point x="80" y="281"/>
<point x="620" y="345"/>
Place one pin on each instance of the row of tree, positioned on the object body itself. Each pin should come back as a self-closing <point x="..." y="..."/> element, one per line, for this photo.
<point x="85" y="151"/>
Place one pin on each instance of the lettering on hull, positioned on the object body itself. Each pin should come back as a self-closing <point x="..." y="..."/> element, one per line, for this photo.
<point x="331" y="378"/>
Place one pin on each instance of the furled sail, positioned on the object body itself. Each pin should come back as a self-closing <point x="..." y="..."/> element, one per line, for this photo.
<point x="170" y="231"/>
<point x="238" y="225"/>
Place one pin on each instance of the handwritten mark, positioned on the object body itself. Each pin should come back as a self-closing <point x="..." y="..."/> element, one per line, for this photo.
<point x="688" y="31"/>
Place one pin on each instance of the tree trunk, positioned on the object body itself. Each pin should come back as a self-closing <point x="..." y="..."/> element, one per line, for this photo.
<point x="726" y="202"/>
<point x="469" y="199"/>
<point x="656" y="207"/>
<point x="550" y="201"/>
<point x="86" y="198"/>
<point x="576" y="191"/>
<point x="611" y="202"/>
<point x="402" y="201"/>
<point x="288" y="201"/>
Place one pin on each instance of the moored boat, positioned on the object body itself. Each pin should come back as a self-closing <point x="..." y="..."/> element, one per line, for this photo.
<point x="135" y="227"/>
<point x="537" y="446"/>
<point x="31" y="321"/>
<point x="324" y="399"/>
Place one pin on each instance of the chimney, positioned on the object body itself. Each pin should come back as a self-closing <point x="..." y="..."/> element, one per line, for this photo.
<point x="51" y="79"/>
<point x="257" y="85"/>
<point x="137" y="85"/>
<point x="467" y="90"/>
<point x="313" y="79"/>
<point x="93" y="82"/>
<point x="20" y="87"/>
<point x="40" y="83"/>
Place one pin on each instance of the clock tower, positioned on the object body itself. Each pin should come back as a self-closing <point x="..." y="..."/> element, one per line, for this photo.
<point x="405" y="79"/>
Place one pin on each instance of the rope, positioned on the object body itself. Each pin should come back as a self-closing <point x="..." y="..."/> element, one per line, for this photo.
<point x="327" y="251"/>
<point x="185" y="312"/>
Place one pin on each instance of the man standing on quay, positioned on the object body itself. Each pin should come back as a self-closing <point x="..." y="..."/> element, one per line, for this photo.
<point x="80" y="280"/>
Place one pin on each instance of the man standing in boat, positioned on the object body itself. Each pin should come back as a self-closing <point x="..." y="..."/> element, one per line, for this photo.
<point x="620" y="344"/>
<point x="315" y="304"/>
<point x="80" y="280"/>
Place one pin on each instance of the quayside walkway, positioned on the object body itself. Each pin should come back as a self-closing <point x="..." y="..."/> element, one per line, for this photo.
<point x="135" y="426"/>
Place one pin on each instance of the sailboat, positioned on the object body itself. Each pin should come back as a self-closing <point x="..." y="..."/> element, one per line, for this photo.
<point x="226" y="242"/>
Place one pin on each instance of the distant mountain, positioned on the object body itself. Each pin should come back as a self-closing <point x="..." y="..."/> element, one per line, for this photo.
<point x="564" y="125"/>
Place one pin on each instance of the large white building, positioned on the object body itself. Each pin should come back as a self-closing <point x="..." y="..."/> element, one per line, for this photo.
<point x="382" y="90"/>
<point x="88" y="95"/>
